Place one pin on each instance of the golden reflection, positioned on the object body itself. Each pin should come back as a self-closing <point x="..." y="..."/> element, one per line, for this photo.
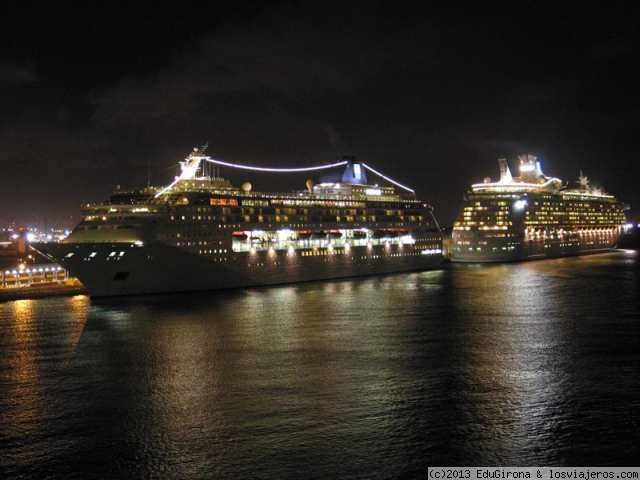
<point x="24" y="385"/>
<point x="509" y="329"/>
<point x="32" y="329"/>
<point x="79" y="306"/>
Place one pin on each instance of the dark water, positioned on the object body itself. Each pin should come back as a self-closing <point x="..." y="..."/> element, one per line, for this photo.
<point x="525" y="364"/>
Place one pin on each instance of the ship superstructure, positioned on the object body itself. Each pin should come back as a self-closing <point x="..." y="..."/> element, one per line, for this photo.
<point x="201" y="233"/>
<point x="534" y="216"/>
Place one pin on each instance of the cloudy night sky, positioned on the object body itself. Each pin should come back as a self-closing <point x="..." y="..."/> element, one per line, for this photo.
<point x="98" y="97"/>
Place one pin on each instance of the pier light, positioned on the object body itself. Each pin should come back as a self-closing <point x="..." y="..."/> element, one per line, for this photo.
<point x="138" y="243"/>
<point x="291" y="251"/>
<point x="272" y="251"/>
<point x="252" y="250"/>
<point x="347" y="247"/>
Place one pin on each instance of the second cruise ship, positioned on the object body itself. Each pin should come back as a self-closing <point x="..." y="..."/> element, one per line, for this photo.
<point x="534" y="216"/>
<point x="202" y="233"/>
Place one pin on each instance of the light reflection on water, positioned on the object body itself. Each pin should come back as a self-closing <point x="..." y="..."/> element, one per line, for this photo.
<point x="532" y="363"/>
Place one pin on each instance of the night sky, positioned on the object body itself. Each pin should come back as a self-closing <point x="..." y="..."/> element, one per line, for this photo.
<point x="92" y="98"/>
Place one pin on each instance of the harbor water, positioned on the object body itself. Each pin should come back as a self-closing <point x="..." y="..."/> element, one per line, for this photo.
<point x="534" y="363"/>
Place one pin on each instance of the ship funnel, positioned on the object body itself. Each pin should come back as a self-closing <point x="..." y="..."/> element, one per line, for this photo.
<point x="505" y="173"/>
<point x="354" y="172"/>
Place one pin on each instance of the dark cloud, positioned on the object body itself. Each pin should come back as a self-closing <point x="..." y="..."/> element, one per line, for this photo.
<point x="432" y="97"/>
<point x="15" y="75"/>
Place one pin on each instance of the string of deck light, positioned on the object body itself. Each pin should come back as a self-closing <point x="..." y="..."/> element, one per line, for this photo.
<point x="390" y="180"/>
<point x="274" y="170"/>
<point x="167" y="188"/>
<point x="305" y="169"/>
<point x="283" y="170"/>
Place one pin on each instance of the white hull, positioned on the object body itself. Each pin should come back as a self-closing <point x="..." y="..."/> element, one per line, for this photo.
<point x="158" y="268"/>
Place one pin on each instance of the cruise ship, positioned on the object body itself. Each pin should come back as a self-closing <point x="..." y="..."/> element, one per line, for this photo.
<point x="202" y="233"/>
<point x="534" y="216"/>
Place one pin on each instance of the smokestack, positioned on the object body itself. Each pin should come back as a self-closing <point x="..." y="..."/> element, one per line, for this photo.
<point x="505" y="173"/>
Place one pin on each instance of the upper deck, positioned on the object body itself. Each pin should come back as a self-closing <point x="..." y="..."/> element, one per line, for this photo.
<point x="197" y="201"/>
<point x="533" y="181"/>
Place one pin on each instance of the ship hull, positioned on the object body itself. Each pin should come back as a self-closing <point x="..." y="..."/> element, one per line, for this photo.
<point x="151" y="269"/>
<point x="474" y="248"/>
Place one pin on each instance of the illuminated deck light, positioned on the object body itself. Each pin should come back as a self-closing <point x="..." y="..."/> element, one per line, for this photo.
<point x="273" y="170"/>
<point x="390" y="180"/>
<point x="519" y="205"/>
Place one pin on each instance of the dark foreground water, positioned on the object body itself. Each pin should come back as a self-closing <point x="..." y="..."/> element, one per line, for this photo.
<point x="525" y="364"/>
